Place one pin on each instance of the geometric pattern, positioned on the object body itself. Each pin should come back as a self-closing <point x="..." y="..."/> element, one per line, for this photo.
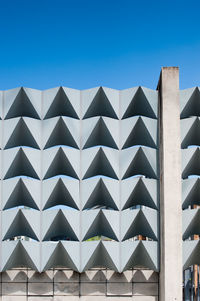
<point x="80" y="178"/>
<point x="190" y="143"/>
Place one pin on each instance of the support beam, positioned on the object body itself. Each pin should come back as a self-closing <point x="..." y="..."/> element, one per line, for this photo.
<point x="170" y="187"/>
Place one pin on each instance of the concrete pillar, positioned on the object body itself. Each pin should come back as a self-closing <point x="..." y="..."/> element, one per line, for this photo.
<point x="170" y="187"/>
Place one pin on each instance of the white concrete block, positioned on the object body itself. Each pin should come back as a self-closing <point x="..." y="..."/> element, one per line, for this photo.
<point x="145" y="289"/>
<point x="14" y="298"/>
<point x="66" y="289"/>
<point x="119" y="289"/>
<point x="95" y="289"/>
<point x="40" y="288"/>
<point x="39" y="298"/>
<point x="91" y="298"/>
<point x="145" y="298"/>
<point x="63" y="298"/>
<point x="14" y="288"/>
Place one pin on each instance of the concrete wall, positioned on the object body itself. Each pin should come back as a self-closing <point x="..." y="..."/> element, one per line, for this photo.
<point x="65" y="284"/>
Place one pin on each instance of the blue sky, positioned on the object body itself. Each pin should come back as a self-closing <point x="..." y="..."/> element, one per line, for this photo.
<point x="87" y="43"/>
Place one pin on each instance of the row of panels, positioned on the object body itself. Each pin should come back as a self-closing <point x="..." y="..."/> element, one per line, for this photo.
<point x="79" y="164"/>
<point x="87" y="194"/>
<point x="83" y="256"/>
<point x="25" y="131"/>
<point x="80" y="256"/>
<point x="190" y="140"/>
<point x="78" y="104"/>
<point x="98" y="101"/>
<point x="75" y="225"/>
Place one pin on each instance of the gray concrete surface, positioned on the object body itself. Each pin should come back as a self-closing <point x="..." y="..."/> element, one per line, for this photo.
<point x="170" y="187"/>
<point x="64" y="284"/>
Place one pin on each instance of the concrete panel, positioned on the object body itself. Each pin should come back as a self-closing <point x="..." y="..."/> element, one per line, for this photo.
<point x="93" y="276"/>
<point x="145" y="298"/>
<point x="63" y="298"/>
<point x="149" y="289"/>
<point x="14" y="276"/>
<point x="119" y="277"/>
<point x="145" y="276"/>
<point x="118" y="298"/>
<point x="91" y="298"/>
<point x="66" y="276"/>
<point x="13" y="298"/>
<point x="119" y="289"/>
<point x="40" y="298"/>
<point x="14" y="288"/>
<point x="68" y="289"/>
<point x="96" y="289"/>
<point x="40" y="277"/>
<point x="40" y="288"/>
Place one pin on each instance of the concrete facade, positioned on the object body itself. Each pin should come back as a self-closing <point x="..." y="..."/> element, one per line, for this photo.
<point x="65" y="284"/>
<point x="111" y="162"/>
<point x="170" y="187"/>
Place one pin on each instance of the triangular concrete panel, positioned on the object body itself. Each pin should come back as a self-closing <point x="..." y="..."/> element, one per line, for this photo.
<point x="100" y="166"/>
<point x="140" y="165"/>
<point x="96" y="223"/>
<point x="139" y="135"/>
<point x="21" y="166"/>
<point x="100" y="257"/>
<point x="190" y="162"/>
<point x="60" y="229"/>
<point x="190" y="192"/>
<point x="192" y="132"/>
<point x="61" y="106"/>
<point x="100" y="135"/>
<point x="59" y="257"/>
<point x="21" y="136"/>
<point x="138" y="258"/>
<point x="135" y="223"/>
<point x="191" y="223"/>
<point x="60" y="196"/>
<point x="60" y="165"/>
<point x="191" y="253"/>
<point x="22" y="106"/>
<point x="139" y="191"/>
<point x="21" y="196"/>
<point x="20" y="254"/>
<point x="192" y="106"/>
<point x="139" y="105"/>
<point x="100" y="196"/>
<point x="61" y="135"/>
<point x="100" y="106"/>
<point x="20" y="224"/>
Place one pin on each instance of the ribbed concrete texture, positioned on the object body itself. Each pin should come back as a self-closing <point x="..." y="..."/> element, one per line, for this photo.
<point x="65" y="284"/>
<point x="79" y="178"/>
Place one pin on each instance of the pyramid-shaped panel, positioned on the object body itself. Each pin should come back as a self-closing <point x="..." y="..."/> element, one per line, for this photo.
<point x="190" y="100"/>
<point x="61" y="102"/>
<point x="22" y="102"/>
<point x="100" y="102"/>
<point x="139" y="101"/>
<point x="22" y="131"/>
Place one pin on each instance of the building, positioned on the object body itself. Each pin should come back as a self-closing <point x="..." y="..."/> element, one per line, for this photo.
<point x="92" y="196"/>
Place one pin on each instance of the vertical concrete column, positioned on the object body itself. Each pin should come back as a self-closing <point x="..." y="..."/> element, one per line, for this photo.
<point x="170" y="187"/>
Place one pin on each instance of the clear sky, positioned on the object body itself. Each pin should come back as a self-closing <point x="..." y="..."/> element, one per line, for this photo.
<point x="87" y="43"/>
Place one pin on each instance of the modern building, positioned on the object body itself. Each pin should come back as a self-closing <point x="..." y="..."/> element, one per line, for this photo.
<point x="100" y="192"/>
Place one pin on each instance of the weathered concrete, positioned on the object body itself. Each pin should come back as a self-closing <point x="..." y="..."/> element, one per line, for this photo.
<point x="65" y="284"/>
<point x="170" y="188"/>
